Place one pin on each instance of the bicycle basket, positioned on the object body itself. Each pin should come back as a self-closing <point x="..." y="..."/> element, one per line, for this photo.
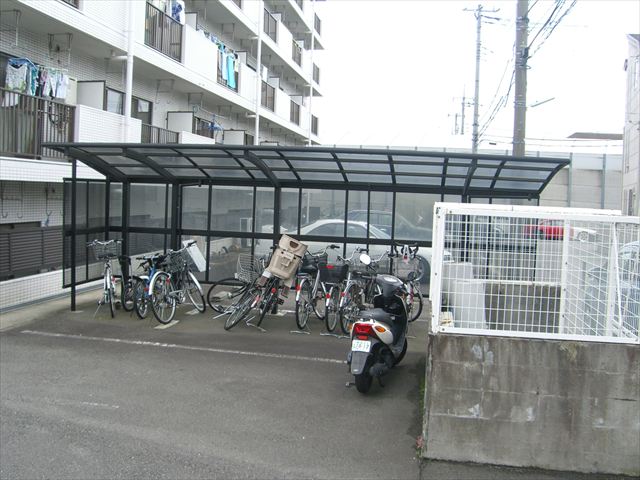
<point x="105" y="251"/>
<point x="249" y="267"/>
<point x="310" y="261"/>
<point x="332" y="273"/>
<point x="403" y="270"/>
<point x="176" y="262"/>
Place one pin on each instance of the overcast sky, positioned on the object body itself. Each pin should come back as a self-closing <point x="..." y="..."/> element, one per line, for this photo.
<point x="394" y="71"/>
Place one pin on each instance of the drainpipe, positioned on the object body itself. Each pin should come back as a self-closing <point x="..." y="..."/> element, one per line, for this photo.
<point x="129" y="78"/>
<point x="313" y="45"/>
<point x="256" y="137"/>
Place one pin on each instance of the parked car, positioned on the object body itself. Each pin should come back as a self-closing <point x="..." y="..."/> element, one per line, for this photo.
<point x="554" y="230"/>
<point x="598" y="286"/>
<point x="382" y="219"/>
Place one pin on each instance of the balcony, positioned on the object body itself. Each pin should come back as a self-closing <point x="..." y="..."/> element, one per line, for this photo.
<point x="294" y="115"/>
<point x="314" y="124"/>
<point x="73" y="3"/>
<point x="163" y="33"/>
<point x="26" y="122"/>
<point x="231" y="82"/>
<point x="151" y="134"/>
<point x="317" y="24"/>
<point x="316" y="74"/>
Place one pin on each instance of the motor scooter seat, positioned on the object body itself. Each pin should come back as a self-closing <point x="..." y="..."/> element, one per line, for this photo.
<point x="378" y="315"/>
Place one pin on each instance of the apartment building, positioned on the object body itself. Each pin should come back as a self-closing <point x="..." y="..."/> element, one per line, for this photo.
<point x="154" y="71"/>
<point x="631" y="154"/>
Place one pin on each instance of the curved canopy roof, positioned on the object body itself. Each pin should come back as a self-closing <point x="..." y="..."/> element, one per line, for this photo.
<point x="319" y="167"/>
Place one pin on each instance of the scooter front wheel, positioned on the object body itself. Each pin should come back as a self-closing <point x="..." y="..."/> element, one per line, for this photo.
<point x="363" y="382"/>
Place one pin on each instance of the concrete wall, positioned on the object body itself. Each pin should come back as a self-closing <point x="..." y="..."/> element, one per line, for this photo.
<point x="550" y="404"/>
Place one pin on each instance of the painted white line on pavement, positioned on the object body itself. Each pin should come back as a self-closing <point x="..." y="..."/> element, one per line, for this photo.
<point x="170" y="324"/>
<point x="184" y="347"/>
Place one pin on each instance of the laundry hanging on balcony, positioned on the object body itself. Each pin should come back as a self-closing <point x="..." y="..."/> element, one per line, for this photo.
<point x="24" y="76"/>
<point x="177" y="11"/>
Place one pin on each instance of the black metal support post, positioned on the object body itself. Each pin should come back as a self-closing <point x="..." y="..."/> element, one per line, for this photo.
<point x="175" y="215"/>
<point x="73" y="233"/>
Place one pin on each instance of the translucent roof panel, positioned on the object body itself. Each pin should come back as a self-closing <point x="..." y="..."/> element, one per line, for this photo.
<point x="306" y="167"/>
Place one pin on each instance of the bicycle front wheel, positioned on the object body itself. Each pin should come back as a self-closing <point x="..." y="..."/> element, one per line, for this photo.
<point x="304" y="305"/>
<point x="350" y="308"/>
<point x="240" y="309"/>
<point x="163" y="303"/>
<point x="141" y="298"/>
<point x="333" y="307"/>
<point x="127" y="294"/>
<point x="110" y="291"/>
<point x="194" y="291"/>
<point x="224" y="293"/>
<point x="415" y="308"/>
<point x="269" y="300"/>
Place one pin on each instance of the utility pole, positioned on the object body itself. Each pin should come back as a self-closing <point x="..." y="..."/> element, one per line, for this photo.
<point x="476" y="95"/>
<point x="520" y="100"/>
<point x="464" y="101"/>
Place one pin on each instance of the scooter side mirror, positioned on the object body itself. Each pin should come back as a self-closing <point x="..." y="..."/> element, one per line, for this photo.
<point x="365" y="259"/>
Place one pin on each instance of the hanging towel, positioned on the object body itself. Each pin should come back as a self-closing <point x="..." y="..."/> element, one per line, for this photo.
<point x="223" y="66"/>
<point x="231" y="73"/>
<point x="62" y="86"/>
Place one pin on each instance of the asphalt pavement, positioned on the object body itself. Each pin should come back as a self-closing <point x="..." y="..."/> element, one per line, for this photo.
<point x="85" y="396"/>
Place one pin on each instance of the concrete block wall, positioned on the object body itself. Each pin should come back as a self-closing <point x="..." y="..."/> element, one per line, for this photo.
<point x="559" y="405"/>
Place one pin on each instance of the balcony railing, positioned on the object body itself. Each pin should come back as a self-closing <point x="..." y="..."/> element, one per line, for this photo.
<point x="296" y="53"/>
<point x="314" y="124"/>
<point x="268" y="99"/>
<point x="163" y="33"/>
<point x="270" y="25"/>
<point x="26" y="122"/>
<point x="151" y="134"/>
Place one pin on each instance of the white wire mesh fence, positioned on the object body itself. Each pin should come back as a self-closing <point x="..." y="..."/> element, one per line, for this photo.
<point x="536" y="271"/>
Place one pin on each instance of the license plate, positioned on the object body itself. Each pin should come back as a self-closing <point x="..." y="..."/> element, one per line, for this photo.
<point x="361" y="346"/>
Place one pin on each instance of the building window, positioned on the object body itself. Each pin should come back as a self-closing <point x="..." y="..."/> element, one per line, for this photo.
<point x="296" y="53"/>
<point x="316" y="74"/>
<point x="142" y="110"/>
<point x="73" y="3"/>
<point x="115" y="101"/>
<point x="268" y="96"/>
<point x="631" y="203"/>
<point x="300" y="4"/>
<point x="295" y="113"/>
<point x="270" y="26"/>
<point x="317" y="24"/>
<point x="238" y="3"/>
<point x="314" y="124"/>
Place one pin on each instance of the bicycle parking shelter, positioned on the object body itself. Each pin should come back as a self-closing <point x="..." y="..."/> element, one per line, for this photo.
<point x="180" y="187"/>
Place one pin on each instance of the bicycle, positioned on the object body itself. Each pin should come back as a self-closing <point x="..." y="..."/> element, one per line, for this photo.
<point x="310" y="291"/>
<point x="224" y="294"/>
<point x="171" y="286"/>
<point x="332" y="276"/>
<point x="107" y="251"/>
<point x="359" y="289"/>
<point x="142" y="294"/>
<point x="408" y="268"/>
<point x="251" y="297"/>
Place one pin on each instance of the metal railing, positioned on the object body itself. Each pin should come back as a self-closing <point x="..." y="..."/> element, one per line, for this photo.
<point x="536" y="272"/>
<point x="163" y="33"/>
<point x="152" y="134"/>
<point x="26" y="122"/>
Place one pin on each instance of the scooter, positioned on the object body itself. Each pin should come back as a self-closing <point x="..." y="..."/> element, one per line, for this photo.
<point x="379" y="336"/>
